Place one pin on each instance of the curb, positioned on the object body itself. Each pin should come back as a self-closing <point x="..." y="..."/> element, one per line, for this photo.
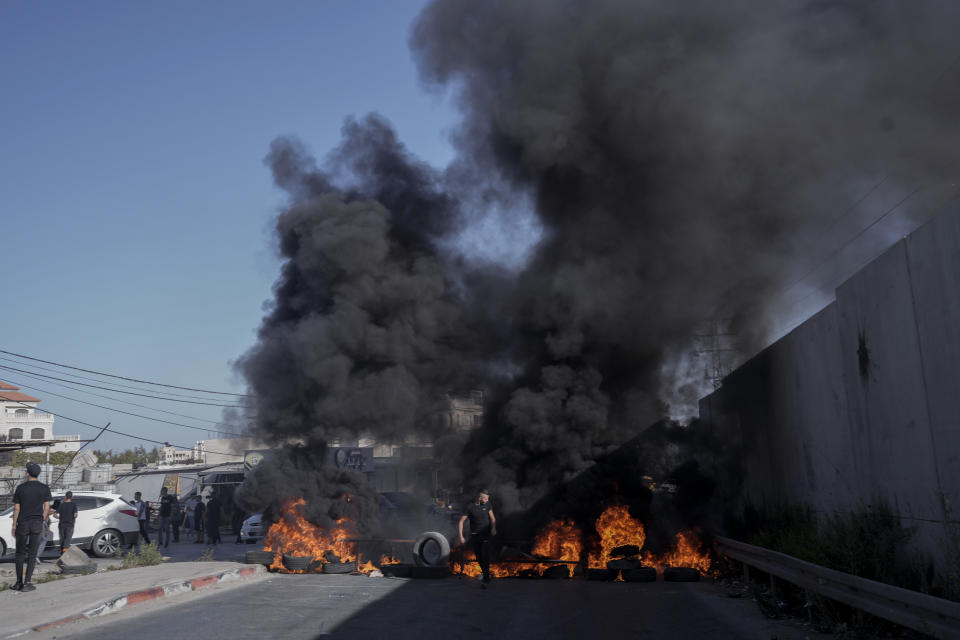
<point x="145" y="595"/>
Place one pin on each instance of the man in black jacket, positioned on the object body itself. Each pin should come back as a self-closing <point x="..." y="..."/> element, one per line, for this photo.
<point x="31" y="512"/>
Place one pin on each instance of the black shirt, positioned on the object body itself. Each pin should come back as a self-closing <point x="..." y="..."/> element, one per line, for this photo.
<point x="30" y="496"/>
<point x="479" y="515"/>
<point x="166" y="505"/>
<point x="68" y="512"/>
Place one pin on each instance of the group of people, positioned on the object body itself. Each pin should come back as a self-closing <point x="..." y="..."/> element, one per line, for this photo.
<point x="31" y="524"/>
<point x="203" y="518"/>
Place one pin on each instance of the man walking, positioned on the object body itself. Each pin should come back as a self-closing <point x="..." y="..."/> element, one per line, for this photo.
<point x="31" y="511"/>
<point x="213" y="520"/>
<point x="483" y="525"/>
<point x="143" y="517"/>
<point x="166" y="512"/>
<point x="198" y="516"/>
<point x="67" y="515"/>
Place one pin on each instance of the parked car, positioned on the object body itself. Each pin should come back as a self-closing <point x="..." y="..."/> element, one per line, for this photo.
<point x="105" y="523"/>
<point x="252" y="530"/>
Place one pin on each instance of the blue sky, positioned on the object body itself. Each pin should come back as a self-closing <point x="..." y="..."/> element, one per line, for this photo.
<point x="136" y="208"/>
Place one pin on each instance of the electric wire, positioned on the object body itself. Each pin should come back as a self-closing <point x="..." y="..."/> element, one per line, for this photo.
<point x="119" y="433"/>
<point x="110" y="375"/>
<point x="115" y="384"/>
<point x="128" y="413"/>
<point x="132" y="393"/>
<point x="100" y="395"/>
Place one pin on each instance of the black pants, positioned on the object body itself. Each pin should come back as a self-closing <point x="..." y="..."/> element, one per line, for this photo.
<point x="481" y="549"/>
<point x="66" y="534"/>
<point x="213" y="531"/>
<point x="143" y="531"/>
<point x="28" y="544"/>
<point x="175" y="523"/>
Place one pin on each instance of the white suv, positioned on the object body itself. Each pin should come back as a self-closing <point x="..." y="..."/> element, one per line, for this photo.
<point x="105" y="522"/>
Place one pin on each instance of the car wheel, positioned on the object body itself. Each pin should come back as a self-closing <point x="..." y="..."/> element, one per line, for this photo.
<point x="106" y="543"/>
<point x="3" y="548"/>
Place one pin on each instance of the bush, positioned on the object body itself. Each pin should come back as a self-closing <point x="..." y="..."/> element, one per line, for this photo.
<point x="145" y="556"/>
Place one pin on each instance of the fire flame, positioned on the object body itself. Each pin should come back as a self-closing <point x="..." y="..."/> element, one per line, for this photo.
<point x="559" y="540"/>
<point x="616" y="528"/>
<point x="687" y="551"/>
<point x="295" y="535"/>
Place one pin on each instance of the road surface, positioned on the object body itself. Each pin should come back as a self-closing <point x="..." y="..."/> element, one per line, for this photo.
<point x="309" y="607"/>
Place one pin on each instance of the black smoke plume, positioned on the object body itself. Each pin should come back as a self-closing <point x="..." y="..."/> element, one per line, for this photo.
<point x="683" y="159"/>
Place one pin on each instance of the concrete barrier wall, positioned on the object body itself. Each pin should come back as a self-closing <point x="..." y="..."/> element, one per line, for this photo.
<point x="860" y="401"/>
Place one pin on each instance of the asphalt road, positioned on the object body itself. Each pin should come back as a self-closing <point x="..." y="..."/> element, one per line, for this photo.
<point x="317" y="606"/>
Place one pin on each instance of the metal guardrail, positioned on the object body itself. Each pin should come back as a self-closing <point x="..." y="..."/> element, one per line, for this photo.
<point x="920" y="612"/>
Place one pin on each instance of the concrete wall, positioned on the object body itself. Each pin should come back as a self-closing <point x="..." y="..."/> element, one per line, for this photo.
<point x="860" y="401"/>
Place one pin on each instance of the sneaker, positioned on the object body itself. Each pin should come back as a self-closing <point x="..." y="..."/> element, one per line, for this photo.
<point x="486" y="580"/>
<point x="17" y="586"/>
<point x="27" y="586"/>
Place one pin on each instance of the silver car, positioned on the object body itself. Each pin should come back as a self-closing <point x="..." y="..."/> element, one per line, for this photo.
<point x="252" y="530"/>
<point x="105" y="522"/>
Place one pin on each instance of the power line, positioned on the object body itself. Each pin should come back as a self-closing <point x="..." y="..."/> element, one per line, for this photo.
<point x="110" y="375"/>
<point x="144" y="395"/>
<point x="100" y="395"/>
<point x="119" y="433"/>
<point x="116" y="384"/>
<point x="128" y="413"/>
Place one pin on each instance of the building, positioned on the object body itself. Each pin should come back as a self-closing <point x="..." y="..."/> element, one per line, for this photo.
<point x="172" y="456"/>
<point x="465" y="411"/>
<point x="21" y="421"/>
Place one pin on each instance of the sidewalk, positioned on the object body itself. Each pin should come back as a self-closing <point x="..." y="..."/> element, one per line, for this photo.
<point x="74" y="598"/>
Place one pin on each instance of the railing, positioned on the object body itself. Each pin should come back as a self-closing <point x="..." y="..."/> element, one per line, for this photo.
<point x="920" y="612"/>
<point x="37" y="416"/>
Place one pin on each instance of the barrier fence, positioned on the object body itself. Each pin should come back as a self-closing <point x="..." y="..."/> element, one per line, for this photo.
<point x="927" y="614"/>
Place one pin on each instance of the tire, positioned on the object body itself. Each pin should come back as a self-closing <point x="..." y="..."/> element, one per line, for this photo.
<point x="259" y="557"/>
<point x="397" y="570"/>
<point x="557" y="572"/>
<point x="640" y="574"/>
<point x="602" y="575"/>
<point x="106" y="543"/>
<point x="421" y="544"/>
<point x="681" y="574"/>
<point x="296" y="563"/>
<point x="3" y="548"/>
<point x="624" y="564"/>
<point x="340" y="567"/>
<point x="429" y="572"/>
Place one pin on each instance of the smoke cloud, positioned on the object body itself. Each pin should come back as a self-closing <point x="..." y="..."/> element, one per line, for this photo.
<point x="682" y="160"/>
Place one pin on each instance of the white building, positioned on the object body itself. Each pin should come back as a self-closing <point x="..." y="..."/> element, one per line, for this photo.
<point x="21" y="421"/>
<point x="172" y="456"/>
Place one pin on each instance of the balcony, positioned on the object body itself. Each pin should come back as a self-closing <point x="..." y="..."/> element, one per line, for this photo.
<point x="37" y="416"/>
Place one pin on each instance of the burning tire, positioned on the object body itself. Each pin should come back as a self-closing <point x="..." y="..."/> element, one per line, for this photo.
<point x="640" y="574"/>
<point x="258" y="557"/>
<point x="559" y="572"/>
<point x="604" y="575"/>
<point x="681" y="574"/>
<point x="432" y="549"/>
<point x="429" y="572"/>
<point x="340" y="567"/>
<point x="397" y="570"/>
<point x="296" y="563"/>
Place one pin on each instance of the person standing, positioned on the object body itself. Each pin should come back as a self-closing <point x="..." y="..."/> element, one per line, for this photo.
<point x="237" y="521"/>
<point x="213" y="520"/>
<point x="166" y="513"/>
<point x="188" y="510"/>
<point x="143" y="517"/>
<point x="67" y="515"/>
<point x="483" y="525"/>
<point x="198" y="515"/>
<point x="31" y="512"/>
<point x="176" y="519"/>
